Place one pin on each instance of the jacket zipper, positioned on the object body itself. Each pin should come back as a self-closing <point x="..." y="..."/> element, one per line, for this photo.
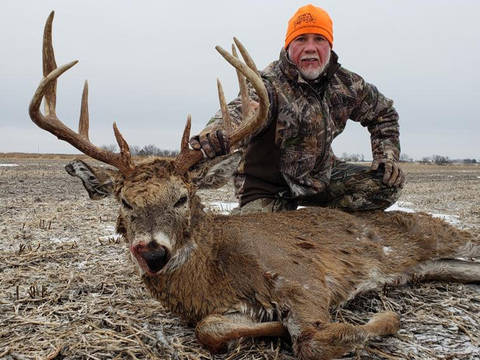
<point x="320" y="95"/>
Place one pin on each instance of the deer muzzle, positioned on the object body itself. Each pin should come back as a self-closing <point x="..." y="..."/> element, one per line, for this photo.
<point x="151" y="257"/>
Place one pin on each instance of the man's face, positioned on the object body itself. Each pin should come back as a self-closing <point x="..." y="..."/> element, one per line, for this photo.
<point x="311" y="54"/>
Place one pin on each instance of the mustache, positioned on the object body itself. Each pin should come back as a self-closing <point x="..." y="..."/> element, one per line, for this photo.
<point x="309" y="57"/>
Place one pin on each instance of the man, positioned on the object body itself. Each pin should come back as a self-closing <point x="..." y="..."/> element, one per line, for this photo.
<point x="290" y="162"/>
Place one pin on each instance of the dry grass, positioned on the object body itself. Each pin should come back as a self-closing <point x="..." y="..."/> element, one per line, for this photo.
<point x="68" y="290"/>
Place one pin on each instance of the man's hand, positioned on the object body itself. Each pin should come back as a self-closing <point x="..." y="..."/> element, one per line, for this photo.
<point x="393" y="176"/>
<point x="213" y="141"/>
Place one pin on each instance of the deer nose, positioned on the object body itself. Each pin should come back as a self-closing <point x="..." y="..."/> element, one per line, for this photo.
<point x="151" y="257"/>
<point x="156" y="259"/>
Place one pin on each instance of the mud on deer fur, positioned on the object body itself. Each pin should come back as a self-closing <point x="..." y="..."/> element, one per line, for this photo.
<point x="262" y="274"/>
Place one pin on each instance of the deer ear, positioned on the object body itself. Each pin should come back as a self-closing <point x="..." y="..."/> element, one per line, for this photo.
<point x="215" y="173"/>
<point x="97" y="181"/>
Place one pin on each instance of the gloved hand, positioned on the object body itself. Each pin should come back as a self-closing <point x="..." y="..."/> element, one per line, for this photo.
<point x="393" y="176"/>
<point x="213" y="141"/>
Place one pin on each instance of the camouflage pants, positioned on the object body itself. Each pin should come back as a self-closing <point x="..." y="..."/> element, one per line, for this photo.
<point x="352" y="188"/>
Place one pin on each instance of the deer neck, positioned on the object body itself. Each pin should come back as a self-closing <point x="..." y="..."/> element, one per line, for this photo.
<point x="207" y="268"/>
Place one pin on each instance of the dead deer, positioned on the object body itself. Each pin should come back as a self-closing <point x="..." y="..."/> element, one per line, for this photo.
<point x="255" y="275"/>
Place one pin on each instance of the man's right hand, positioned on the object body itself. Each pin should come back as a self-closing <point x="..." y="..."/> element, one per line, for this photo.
<point x="213" y="141"/>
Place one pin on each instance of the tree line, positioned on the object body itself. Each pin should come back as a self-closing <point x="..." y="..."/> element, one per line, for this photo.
<point x="405" y="158"/>
<point x="445" y="160"/>
<point x="147" y="150"/>
<point x="152" y="150"/>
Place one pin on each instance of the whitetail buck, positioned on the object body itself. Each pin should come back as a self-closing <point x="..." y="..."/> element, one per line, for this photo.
<point x="263" y="274"/>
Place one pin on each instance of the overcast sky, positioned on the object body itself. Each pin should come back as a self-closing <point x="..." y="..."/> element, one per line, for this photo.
<point x="150" y="63"/>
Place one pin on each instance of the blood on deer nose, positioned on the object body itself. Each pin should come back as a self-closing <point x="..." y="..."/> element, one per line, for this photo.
<point x="151" y="257"/>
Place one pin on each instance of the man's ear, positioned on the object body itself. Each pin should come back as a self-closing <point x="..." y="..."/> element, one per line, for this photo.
<point x="97" y="181"/>
<point x="212" y="174"/>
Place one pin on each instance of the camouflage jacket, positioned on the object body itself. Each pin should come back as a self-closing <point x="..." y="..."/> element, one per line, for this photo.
<point x="291" y="155"/>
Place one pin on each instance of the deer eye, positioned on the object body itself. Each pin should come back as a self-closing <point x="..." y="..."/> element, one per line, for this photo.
<point x="181" y="201"/>
<point x="126" y="205"/>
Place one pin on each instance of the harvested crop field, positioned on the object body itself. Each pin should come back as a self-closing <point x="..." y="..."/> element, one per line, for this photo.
<point x="69" y="291"/>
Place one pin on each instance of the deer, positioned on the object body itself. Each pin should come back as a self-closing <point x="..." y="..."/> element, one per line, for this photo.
<point x="254" y="275"/>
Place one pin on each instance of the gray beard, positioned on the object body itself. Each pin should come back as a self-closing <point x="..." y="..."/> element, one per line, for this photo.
<point x="312" y="74"/>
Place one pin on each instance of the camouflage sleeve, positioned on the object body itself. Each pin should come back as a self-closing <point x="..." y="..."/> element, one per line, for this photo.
<point x="235" y="111"/>
<point x="376" y="112"/>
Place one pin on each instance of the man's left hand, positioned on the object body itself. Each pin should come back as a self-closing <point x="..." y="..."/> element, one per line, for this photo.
<point x="393" y="176"/>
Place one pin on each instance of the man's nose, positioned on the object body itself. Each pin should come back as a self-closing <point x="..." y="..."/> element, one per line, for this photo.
<point x="310" y="46"/>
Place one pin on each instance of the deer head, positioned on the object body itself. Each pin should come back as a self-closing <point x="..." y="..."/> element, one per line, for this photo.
<point x="157" y="197"/>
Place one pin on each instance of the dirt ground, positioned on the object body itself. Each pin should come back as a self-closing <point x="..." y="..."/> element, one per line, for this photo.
<point x="68" y="290"/>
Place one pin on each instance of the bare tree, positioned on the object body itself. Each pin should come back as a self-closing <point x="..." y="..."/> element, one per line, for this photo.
<point x="405" y="158"/>
<point x="110" y="147"/>
<point x="440" y="160"/>
<point x="135" y="150"/>
<point x="353" y="157"/>
<point x="426" y="160"/>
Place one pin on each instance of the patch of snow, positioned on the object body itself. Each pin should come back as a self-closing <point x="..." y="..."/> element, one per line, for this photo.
<point x="110" y="228"/>
<point x="8" y="165"/>
<point x="110" y="237"/>
<point x="83" y="264"/>
<point x="451" y="219"/>
<point x="400" y="206"/>
<point x="63" y="240"/>
<point x="405" y="204"/>
<point x="222" y="207"/>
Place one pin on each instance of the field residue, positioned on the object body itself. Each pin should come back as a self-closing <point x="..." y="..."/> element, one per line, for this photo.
<point x="69" y="291"/>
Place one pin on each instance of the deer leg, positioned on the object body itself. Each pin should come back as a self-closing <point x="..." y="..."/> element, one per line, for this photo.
<point x="215" y="332"/>
<point x="322" y="341"/>
<point x="451" y="270"/>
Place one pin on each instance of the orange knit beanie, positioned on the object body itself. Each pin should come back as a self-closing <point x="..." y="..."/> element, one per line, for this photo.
<point x="310" y="19"/>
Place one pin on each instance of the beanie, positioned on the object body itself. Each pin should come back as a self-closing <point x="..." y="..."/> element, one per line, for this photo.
<point x="309" y="19"/>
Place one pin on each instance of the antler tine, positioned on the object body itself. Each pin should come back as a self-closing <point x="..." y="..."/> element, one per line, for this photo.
<point x="187" y="157"/>
<point x="125" y="157"/>
<point x="83" y="124"/>
<point x="246" y="56"/>
<point x="49" y="64"/>
<point x="243" y="88"/>
<point x="50" y="122"/>
<point x="253" y="123"/>
<point x="186" y="134"/>
<point x="227" y="121"/>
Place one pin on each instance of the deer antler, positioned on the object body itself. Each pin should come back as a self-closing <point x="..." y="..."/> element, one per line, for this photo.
<point x="188" y="157"/>
<point x="50" y="122"/>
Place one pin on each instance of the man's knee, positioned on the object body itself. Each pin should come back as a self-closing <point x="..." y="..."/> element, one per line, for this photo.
<point x="357" y="191"/>
<point x="381" y="199"/>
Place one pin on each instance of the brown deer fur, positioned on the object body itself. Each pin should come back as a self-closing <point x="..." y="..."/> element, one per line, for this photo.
<point x="275" y="274"/>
